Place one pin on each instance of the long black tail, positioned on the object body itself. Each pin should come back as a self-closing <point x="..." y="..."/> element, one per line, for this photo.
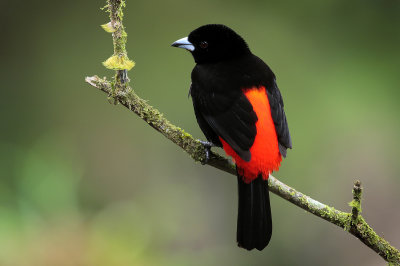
<point x="254" y="225"/>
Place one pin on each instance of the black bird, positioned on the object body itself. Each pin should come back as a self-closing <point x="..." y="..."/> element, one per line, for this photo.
<point x="239" y="107"/>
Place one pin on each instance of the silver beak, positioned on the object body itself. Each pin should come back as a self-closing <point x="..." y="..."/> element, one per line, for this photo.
<point x="184" y="43"/>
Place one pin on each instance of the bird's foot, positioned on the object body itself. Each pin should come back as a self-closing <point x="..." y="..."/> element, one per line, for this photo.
<point x="207" y="148"/>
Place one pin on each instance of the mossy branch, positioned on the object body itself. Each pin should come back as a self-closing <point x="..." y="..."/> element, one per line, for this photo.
<point x="352" y="222"/>
<point x="119" y="61"/>
<point x="122" y="93"/>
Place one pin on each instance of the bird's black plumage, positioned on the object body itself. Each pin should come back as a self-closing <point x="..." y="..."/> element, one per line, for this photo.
<point x="217" y="96"/>
<point x="254" y="224"/>
<point x="225" y="69"/>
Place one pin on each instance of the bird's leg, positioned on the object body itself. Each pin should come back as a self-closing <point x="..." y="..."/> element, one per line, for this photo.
<point x="207" y="148"/>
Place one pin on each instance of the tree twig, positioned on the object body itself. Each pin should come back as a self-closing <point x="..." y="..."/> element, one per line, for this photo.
<point x="119" y="89"/>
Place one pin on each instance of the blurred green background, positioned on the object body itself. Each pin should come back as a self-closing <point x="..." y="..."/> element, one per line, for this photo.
<point x="84" y="182"/>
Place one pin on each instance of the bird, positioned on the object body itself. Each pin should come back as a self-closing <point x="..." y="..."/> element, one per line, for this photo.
<point x="238" y="107"/>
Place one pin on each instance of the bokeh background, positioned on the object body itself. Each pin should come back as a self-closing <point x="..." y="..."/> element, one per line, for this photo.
<point x="84" y="182"/>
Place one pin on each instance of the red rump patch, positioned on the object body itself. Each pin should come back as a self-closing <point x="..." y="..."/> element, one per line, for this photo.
<point x="265" y="155"/>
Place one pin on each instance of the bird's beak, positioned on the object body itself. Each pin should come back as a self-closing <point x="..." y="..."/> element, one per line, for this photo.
<point x="184" y="43"/>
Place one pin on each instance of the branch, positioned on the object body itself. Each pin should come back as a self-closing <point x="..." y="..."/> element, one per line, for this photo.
<point x="120" y="91"/>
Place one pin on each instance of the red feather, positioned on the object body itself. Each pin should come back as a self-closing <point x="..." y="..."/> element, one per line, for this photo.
<point x="265" y="155"/>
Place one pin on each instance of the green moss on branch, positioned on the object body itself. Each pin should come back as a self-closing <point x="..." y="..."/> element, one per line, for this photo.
<point x="119" y="60"/>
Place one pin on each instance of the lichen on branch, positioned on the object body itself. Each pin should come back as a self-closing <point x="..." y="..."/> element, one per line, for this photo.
<point x="119" y="60"/>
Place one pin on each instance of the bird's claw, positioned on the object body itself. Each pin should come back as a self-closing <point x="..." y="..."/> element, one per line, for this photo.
<point x="207" y="149"/>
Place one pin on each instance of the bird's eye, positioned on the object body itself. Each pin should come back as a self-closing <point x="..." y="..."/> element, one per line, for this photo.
<point x="203" y="45"/>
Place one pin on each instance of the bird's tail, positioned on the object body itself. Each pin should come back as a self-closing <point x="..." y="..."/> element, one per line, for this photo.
<point x="254" y="224"/>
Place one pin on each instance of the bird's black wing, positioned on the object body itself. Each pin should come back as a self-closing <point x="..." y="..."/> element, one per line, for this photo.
<point x="226" y="115"/>
<point x="279" y="118"/>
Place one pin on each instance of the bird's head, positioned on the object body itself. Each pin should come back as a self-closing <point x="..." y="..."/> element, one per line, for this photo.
<point x="213" y="43"/>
